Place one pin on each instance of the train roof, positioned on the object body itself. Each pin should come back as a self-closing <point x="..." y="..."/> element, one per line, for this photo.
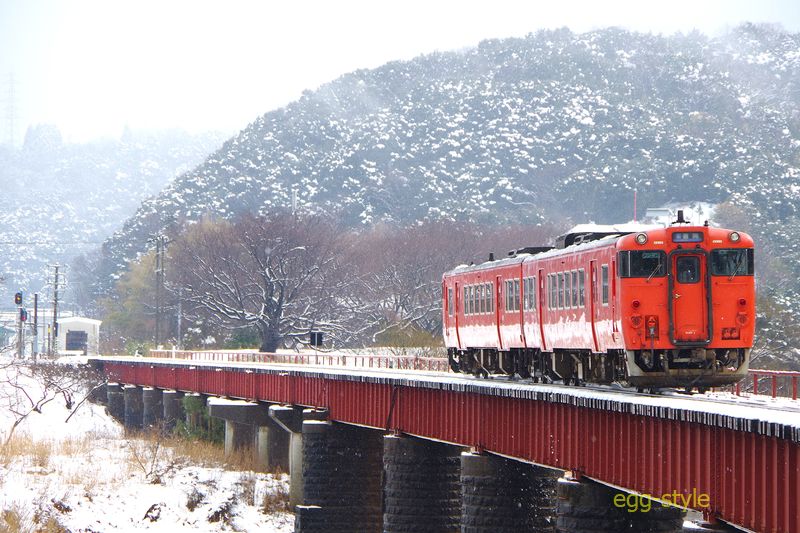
<point x="592" y="232"/>
<point x="546" y="253"/>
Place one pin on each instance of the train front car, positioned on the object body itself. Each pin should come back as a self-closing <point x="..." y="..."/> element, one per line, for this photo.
<point x="687" y="306"/>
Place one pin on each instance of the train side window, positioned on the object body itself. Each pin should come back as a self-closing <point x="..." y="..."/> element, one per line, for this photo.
<point x="516" y="295"/>
<point x="472" y="299"/>
<point x="574" y="288"/>
<point x="567" y="290"/>
<point x="489" y="298"/>
<point x="581" y="287"/>
<point x="551" y="292"/>
<point x="560" y="290"/>
<point x="529" y="296"/>
<point x="450" y="301"/>
<point x="465" y="300"/>
<point x="509" y="292"/>
<point x="604" y="283"/>
<point x="481" y="302"/>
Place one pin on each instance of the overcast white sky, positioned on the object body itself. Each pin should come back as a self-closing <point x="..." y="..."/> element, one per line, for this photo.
<point x="93" y="66"/>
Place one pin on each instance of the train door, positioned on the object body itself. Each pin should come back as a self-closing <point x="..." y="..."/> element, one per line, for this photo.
<point x="456" y="309"/>
<point x="594" y="305"/>
<point x="522" y="299"/>
<point x="689" y="299"/>
<point x="541" y="307"/>
<point x="498" y="292"/>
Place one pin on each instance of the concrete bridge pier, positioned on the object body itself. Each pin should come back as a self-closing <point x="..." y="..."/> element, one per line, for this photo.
<point x="172" y="403"/>
<point x="585" y="505"/>
<point x="341" y="478"/>
<point x="290" y="420"/>
<point x="241" y="420"/>
<point x="421" y="486"/>
<point x="504" y="496"/>
<point x="272" y="446"/>
<point x="134" y="407"/>
<point x="116" y="402"/>
<point x="152" y="407"/>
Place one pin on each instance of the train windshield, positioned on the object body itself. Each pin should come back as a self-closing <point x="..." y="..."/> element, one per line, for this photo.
<point x="736" y="262"/>
<point x="642" y="264"/>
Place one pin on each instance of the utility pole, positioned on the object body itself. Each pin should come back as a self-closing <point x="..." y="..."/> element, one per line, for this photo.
<point x="54" y="341"/>
<point x="35" y="349"/>
<point x="161" y="246"/>
<point x="180" y="318"/>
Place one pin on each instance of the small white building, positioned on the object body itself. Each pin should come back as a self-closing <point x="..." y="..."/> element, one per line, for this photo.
<point x="77" y="334"/>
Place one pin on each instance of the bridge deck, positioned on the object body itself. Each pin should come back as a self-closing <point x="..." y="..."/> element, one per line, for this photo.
<point x="743" y="454"/>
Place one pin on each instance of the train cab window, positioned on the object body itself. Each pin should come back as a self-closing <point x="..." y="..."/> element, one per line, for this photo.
<point x="450" y="301"/>
<point x="732" y="262"/>
<point x="581" y="287"/>
<point x="604" y="283"/>
<point x="642" y="264"/>
<point x="687" y="269"/>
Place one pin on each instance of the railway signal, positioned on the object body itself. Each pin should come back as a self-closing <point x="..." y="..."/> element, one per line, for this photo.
<point x="18" y="298"/>
<point x="23" y="315"/>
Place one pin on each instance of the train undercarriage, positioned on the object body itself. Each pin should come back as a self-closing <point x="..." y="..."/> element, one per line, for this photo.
<point x="687" y="369"/>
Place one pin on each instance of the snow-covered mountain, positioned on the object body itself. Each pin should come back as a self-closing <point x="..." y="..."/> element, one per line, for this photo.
<point x="58" y="200"/>
<point x="556" y="126"/>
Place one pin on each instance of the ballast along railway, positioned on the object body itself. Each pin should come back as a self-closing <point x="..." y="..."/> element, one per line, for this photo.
<point x="659" y="307"/>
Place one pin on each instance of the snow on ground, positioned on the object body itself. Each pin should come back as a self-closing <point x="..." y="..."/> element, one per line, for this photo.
<point x="85" y="476"/>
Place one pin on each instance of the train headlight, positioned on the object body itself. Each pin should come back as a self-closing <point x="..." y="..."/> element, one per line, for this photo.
<point x="734" y="236"/>
<point x="641" y="238"/>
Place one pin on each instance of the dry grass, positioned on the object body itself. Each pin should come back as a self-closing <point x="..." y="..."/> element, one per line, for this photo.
<point x="18" y="519"/>
<point x="199" y="452"/>
<point x="22" y="447"/>
<point x="276" y="501"/>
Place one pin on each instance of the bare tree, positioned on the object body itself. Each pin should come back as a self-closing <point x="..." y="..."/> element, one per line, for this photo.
<point x="278" y="274"/>
<point x="26" y="388"/>
<point x="399" y="270"/>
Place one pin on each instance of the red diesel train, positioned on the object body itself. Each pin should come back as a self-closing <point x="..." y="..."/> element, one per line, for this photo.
<point x="662" y="307"/>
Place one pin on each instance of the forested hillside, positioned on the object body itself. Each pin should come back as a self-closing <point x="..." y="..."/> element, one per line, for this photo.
<point x="59" y="199"/>
<point x="556" y="126"/>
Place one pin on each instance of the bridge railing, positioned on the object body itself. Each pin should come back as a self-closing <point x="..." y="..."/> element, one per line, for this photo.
<point x="400" y="362"/>
<point x="775" y="383"/>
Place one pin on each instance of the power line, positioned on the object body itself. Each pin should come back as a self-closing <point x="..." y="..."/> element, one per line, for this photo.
<point x="36" y="243"/>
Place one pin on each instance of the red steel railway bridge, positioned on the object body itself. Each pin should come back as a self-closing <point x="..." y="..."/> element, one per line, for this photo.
<point x="734" y="456"/>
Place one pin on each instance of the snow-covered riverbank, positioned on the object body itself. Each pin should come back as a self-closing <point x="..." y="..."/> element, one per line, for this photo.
<point x="84" y="475"/>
